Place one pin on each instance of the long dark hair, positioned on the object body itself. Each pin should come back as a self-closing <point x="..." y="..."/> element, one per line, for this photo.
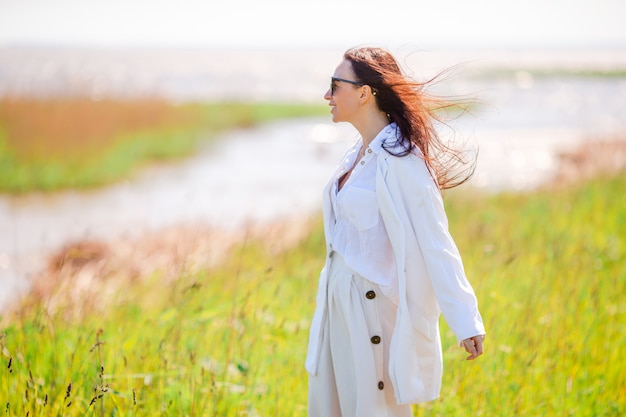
<point x="414" y="111"/>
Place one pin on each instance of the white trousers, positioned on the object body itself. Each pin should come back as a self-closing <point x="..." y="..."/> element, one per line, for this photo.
<point x="352" y="378"/>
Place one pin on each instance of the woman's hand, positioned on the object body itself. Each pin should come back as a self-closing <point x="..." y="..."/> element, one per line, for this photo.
<point x="474" y="346"/>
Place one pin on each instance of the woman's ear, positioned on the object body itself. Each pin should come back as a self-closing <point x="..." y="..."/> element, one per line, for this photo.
<point x="366" y="93"/>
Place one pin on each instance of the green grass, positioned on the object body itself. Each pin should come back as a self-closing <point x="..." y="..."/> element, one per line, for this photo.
<point x="52" y="145"/>
<point x="549" y="269"/>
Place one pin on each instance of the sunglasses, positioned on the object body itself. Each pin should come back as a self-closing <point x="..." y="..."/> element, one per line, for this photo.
<point x="333" y="85"/>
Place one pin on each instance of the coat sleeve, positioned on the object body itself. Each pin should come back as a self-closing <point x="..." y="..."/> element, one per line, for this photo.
<point x="418" y="196"/>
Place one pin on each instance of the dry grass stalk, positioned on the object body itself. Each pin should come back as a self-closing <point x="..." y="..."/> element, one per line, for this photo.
<point x="35" y="127"/>
<point x="87" y="275"/>
<point x="591" y="159"/>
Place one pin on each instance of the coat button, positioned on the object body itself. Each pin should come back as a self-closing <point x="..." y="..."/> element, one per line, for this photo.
<point x="375" y="339"/>
<point x="381" y="385"/>
<point x="370" y="295"/>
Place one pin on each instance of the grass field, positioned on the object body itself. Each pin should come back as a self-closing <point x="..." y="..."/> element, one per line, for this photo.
<point x="549" y="269"/>
<point x="48" y="145"/>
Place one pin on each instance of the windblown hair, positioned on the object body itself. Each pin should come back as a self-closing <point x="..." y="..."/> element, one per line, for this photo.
<point x="414" y="111"/>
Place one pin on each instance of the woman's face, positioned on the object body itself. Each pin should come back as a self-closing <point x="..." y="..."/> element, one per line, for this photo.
<point x="344" y="101"/>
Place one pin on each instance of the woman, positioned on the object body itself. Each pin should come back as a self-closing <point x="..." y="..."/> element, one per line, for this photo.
<point x="392" y="267"/>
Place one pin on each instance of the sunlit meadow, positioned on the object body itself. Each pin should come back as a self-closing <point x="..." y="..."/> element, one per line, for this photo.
<point x="548" y="267"/>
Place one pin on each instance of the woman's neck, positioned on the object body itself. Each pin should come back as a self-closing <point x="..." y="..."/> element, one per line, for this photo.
<point x="371" y="126"/>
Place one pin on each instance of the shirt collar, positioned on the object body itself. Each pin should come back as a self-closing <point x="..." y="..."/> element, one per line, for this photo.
<point x="388" y="132"/>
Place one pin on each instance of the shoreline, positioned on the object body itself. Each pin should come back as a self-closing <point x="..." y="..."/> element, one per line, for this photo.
<point x="90" y="270"/>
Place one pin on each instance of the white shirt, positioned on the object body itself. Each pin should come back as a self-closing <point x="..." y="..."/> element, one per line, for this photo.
<point x="358" y="231"/>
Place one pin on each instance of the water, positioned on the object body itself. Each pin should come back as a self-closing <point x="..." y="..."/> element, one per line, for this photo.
<point x="258" y="175"/>
<point x="277" y="170"/>
<point x="525" y="123"/>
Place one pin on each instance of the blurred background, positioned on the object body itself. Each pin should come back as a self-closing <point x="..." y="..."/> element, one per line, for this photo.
<point x="108" y="110"/>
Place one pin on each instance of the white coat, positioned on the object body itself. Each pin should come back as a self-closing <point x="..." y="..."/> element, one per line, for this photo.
<point x="431" y="277"/>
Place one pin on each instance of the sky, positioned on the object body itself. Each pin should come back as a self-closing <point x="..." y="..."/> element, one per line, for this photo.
<point x="313" y="23"/>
